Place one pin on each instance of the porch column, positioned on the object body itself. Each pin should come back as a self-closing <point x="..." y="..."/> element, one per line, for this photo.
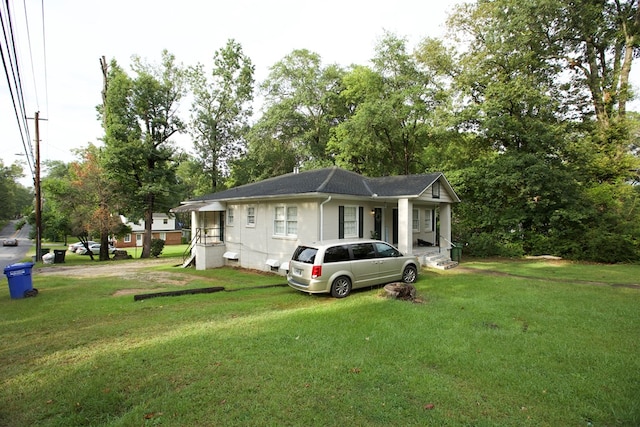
<point x="405" y="226"/>
<point x="195" y="224"/>
<point x="445" y="226"/>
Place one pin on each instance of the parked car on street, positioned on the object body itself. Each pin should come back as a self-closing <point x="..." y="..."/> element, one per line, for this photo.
<point x="10" y="242"/>
<point x="338" y="266"/>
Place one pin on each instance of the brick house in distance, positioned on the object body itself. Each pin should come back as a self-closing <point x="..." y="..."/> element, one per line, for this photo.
<point x="164" y="227"/>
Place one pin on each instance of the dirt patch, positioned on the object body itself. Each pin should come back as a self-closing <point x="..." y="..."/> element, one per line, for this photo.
<point x="122" y="292"/>
<point x="131" y="271"/>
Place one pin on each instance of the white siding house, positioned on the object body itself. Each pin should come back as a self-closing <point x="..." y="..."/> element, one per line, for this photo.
<point x="259" y="225"/>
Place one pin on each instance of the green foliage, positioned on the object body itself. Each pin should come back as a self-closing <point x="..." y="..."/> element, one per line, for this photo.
<point x="220" y="111"/>
<point x="393" y="107"/>
<point x="140" y="119"/>
<point x="157" y="245"/>
<point x="302" y="105"/>
<point x="15" y="197"/>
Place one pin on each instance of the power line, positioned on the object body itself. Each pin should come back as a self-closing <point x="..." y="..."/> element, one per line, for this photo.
<point x="33" y="72"/>
<point x="9" y="57"/>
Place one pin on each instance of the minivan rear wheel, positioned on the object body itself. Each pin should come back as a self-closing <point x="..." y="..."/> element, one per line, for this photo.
<point x="410" y="274"/>
<point x="341" y="287"/>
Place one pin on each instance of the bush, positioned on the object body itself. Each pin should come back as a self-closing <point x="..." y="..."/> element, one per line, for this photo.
<point x="157" y="245"/>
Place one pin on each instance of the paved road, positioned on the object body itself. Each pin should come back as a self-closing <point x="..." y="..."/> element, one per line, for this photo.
<point x="13" y="254"/>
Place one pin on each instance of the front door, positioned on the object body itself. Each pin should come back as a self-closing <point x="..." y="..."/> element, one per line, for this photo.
<point x="394" y="228"/>
<point x="377" y="223"/>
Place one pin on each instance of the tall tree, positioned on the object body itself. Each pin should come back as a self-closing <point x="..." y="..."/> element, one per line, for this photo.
<point x="220" y="110"/>
<point x="140" y="118"/>
<point x="393" y="111"/>
<point x="97" y="203"/>
<point x="15" y="197"/>
<point x="301" y="105"/>
<point x="533" y="100"/>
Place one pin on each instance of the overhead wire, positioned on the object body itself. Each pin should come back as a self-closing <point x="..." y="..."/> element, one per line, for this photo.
<point x="14" y="81"/>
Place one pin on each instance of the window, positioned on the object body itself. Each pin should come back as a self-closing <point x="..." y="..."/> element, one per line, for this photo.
<point x="251" y="216"/>
<point x="363" y="251"/>
<point x="350" y="221"/>
<point x="336" y="254"/>
<point x="416" y="220"/>
<point x="435" y="190"/>
<point x="165" y="221"/>
<point x="427" y="220"/>
<point x="127" y="238"/>
<point x="285" y="221"/>
<point x="305" y="254"/>
<point x="163" y="236"/>
<point x="386" y="251"/>
<point x="230" y="214"/>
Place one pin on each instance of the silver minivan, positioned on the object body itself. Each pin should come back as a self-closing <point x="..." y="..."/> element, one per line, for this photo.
<point x="337" y="266"/>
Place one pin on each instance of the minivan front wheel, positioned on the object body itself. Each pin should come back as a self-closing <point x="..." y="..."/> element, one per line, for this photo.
<point x="341" y="287"/>
<point x="410" y="274"/>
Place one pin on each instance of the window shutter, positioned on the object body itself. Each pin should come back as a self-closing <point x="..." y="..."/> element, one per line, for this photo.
<point x="361" y="222"/>
<point x="340" y="222"/>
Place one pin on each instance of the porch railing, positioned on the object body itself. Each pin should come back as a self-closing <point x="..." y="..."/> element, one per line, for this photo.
<point x="210" y="235"/>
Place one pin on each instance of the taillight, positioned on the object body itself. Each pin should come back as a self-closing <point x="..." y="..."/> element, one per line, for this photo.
<point x="316" y="271"/>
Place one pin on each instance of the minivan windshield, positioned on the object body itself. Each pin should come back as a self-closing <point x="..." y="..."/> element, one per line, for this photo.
<point x="305" y="254"/>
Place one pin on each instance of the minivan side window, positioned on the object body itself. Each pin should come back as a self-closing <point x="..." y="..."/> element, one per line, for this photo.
<point x="305" y="254"/>
<point x="386" y="251"/>
<point x="363" y="251"/>
<point x="337" y="254"/>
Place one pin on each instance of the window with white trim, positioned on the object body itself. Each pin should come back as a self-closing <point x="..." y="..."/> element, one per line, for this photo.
<point x="285" y="221"/>
<point x="230" y="215"/>
<point x="127" y="238"/>
<point x="350" y="221"/>
<point x="428" y="225"/>
<point x="416" y="220"/>
<point x="163" y="236"/>
<point x="251" y="216"/>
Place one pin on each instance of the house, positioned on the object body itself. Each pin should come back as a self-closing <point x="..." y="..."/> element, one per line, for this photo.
<point x="163" y="227"/>
<point x="259" y="225"/>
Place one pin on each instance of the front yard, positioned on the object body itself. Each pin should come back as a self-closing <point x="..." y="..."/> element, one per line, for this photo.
<point x="538" y="344"/>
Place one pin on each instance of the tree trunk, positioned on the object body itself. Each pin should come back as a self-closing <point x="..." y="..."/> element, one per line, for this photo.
<point x="146" y="238"/>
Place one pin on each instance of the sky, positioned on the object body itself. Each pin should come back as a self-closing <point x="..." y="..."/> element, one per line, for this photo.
<point x="66" y="88"/>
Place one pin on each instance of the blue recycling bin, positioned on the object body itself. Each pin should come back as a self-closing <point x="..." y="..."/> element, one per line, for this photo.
<point x="19" y="277"/>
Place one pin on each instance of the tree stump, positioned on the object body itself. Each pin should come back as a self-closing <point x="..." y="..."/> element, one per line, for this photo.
<point x="120" y="254"/>
<point x="401" y="290"/>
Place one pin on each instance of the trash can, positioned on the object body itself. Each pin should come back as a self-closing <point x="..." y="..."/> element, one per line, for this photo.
<point x="19" y="277"/>
<point x="58" y="256"/>
<point x="456" y="252"/>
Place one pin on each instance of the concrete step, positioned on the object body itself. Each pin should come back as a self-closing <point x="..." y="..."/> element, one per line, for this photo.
<point x="439" y="261"/>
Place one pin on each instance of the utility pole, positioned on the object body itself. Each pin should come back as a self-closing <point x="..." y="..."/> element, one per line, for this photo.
<point x="36" y="186"/>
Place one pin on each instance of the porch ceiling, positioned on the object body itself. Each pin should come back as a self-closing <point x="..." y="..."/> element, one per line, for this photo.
<point x="210" y="206"/>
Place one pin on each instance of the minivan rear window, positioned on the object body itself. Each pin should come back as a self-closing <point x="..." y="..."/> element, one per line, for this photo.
<point x="305" y="254"/>
<point x="337" y="254"/>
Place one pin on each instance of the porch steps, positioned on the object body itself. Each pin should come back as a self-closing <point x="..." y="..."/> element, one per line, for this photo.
<point x="439" y="261"/>
<point x="187" y="262"/>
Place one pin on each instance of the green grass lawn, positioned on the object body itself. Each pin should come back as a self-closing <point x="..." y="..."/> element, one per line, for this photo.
<point x="481" y="349"/>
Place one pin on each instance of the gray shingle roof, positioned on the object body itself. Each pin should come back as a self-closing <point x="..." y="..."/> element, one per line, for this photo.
<point x="328" y="181"/>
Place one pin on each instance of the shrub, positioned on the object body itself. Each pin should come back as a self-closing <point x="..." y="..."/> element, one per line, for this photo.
<point x="157" y="245"/>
